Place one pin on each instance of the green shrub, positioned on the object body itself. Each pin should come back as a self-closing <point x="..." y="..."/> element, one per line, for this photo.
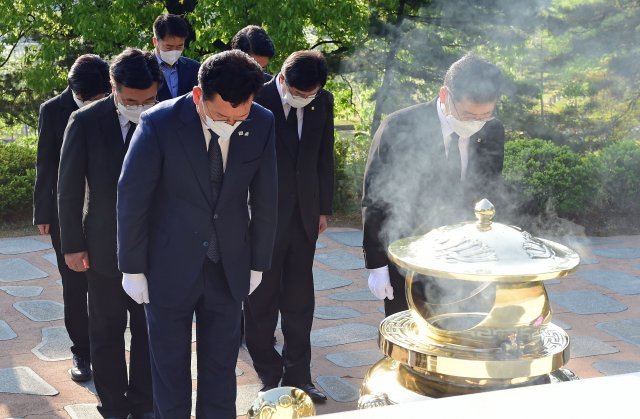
<point x="17" y="175"/>
<point x="350" y="150"/>
<point x="544" y="175"/>
<point x="617" y="172"/>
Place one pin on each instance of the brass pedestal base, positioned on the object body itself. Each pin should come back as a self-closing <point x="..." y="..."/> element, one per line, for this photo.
<point x="389" y="382"/>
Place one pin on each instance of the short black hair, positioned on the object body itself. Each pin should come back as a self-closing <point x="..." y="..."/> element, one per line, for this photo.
<point x="474" y="78"/>
<point x="253" y="40"/>
<point x="136" y="69"/>
<point x="170" y="25"/>
<point x="233" y="74"/>
<point x="305" y="70"/>
<point x="89" y="76"/>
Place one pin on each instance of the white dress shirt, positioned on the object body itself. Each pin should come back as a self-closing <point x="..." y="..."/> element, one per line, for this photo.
<point x="286" y="108"/>
<point x="124" y="126"/>
<point x="463" y="142"/>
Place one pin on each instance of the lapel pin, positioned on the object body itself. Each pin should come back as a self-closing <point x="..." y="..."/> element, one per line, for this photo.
<point x="240" y="132"/>
<point x="479" y="140"/>
<point x="313" y="108"/>
<point x="246" y="133"/>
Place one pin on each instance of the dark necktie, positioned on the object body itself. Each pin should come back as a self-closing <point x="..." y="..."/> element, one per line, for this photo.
<point x="292" y="128"/>
<point x="127" y="139"/>
<point x="216" y="173"/>
<point x="453" y="158"/>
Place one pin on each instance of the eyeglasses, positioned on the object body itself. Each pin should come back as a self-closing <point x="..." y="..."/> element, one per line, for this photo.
<point x="313" y="96"/>
<point x="144" y="105"/>
<point x="223" y="118"/>
<point x="468" y="117"/>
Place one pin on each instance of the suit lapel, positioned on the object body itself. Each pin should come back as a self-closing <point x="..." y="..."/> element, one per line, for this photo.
<point x="181" y="80"/>
<point x="194" y="145"/>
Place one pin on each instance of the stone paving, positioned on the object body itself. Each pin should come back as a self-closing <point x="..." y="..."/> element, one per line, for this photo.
<point x="598" y="306"/>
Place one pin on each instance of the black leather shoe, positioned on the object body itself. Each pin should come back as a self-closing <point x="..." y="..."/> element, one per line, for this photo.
<point x="81" y="370"/>
<point x="315" y="394"/>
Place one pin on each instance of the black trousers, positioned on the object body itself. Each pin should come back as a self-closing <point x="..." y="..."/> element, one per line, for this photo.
<point x="108" y="307"/>
<point x="218" y="342"/>
<point x="286" y="288"/>
<point x="74" y="296"/>
<point x="399" y="302"/>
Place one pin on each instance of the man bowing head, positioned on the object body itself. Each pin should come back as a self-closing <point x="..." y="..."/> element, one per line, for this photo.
<point x="186" y="241"/>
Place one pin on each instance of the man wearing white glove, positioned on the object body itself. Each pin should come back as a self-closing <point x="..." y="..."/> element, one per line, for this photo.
<point x="184" y="223"/>
<point x="427" y="165"/>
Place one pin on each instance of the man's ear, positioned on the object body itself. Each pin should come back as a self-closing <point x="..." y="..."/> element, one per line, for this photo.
<point x="443" y="94"/>
<point x="197" y="94"/>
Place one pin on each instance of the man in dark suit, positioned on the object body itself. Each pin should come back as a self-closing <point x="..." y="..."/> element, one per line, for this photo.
<point x="88" y="81"/>
<point x="254" y="41"/>
<point x="304" y="142"/>
<point x="180" y="73"/>
<point x="94" y="147"/>
<point x="427" y="166"/>
<point x="184" y="225"/>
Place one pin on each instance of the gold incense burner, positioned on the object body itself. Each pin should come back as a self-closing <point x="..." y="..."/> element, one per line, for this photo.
<point x="479" y="317"/>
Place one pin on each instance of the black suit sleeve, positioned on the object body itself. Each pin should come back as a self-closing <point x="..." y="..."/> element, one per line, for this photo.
<point x="263" y="193"/>
<point x="140" y="175"/>
<point x="71" y="186"/>
<point x="46" y="167"/>
<point x="373" y="207"/>
<point x="326" y="162"/>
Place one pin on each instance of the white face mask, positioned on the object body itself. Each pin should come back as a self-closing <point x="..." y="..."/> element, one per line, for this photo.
<point x="132" y="112"/>
<point x="464" y="129"/>
<point x="81" y="103"/>
<point x="297" y="101"/>
<point x="170" y="57"/>
<point x="221" y="128"/>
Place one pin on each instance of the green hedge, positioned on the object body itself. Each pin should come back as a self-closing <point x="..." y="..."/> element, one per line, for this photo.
<point x="17" y="175"/>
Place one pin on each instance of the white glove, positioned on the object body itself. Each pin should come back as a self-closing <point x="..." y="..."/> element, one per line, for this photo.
<point x="254" y="280"/>
<point x="379" y="283"/>
<point x="135" y="285"/>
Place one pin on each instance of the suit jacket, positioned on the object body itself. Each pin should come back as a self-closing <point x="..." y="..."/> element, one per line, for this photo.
<point x="305" y="175"/>
<point x="187" y="78"/>
<point x="166" y="216"/>
<point x="407" y="186"/>
<point x="90" y="162"/>
<point x="54" y="115"/>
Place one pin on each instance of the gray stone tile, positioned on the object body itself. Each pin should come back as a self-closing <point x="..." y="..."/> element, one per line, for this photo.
<point x="618" y="253"/>
<point x="338" y="389"/>
<point x="355" y="358"/>
<point x="40" y="310"/>
<point x="6" y="332"/>
<point x="616" y="367"/>
<point x="339" y="259"/>
<point x="381" y="309"/>
<point x="323" y="280"/>
<point x="589" y="261"/>
<point x="335" y="313"/>
<point x="552" y="282"/>
<point x="586" y="302"/>
<point x="636" y="267"/>
<point x="51" y="258"/>
<point x="616" y="281"/>
<point x="23" y="380"/>
<point x="83" y="411"/>
<point x="589" y="241"/>
<point x="22" y="291"/>
<point x="343" y="334"/>
<point x="59" y="282"/>
<point x="348" y="238"/>
<point x="246" y="395"/>
<point x="320" y="245"/>
<point x="627" y="330"/>
<point x="19" y="270"/>
<point x="90" y="386"/>
<point x="194" y="367"/>
<point x="55" y="345"/>
<point x="561" y="324"/>
<point x="21" y="245"/>
<point x="582" y="346"/>
<point x="356" y="295"/>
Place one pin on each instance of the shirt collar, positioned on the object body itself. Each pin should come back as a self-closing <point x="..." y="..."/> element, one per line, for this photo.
<point x="279" y="87"/>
